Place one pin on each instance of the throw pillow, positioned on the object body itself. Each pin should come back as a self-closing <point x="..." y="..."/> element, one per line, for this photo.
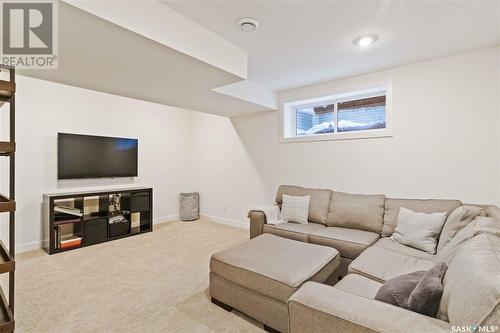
<point x="419" y="230"/>
<point x="481" y="224"/>
<point x="456" y="221"/>
<point x="419" y="291"/>
<point x="295" y="209"/>
<point x="426" y="296"/>
<point x="397" y="291"/>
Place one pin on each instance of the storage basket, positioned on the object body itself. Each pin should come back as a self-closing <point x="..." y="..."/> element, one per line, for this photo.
<point x="189" y="206"/>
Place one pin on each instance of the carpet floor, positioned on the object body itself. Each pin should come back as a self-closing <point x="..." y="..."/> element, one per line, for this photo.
<point x="155" y="282"/>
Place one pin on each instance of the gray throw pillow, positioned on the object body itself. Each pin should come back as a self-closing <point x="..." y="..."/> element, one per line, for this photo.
<point x="397" y="291"/>
<point x="426" y="296"/>
<point x="419" y="291"/>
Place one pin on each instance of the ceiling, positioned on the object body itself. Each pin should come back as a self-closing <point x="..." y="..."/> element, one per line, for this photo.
<point x="99" y="55"/>
<point x="192" y="55"/>
<point x="304" y="42"/>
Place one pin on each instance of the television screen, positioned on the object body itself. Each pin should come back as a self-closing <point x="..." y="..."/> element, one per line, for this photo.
<point x="88" y="156"/>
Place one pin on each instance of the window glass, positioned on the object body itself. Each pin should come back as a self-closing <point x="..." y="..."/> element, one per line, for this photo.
<point x="349" y="115"/>
<point x="363" y="118"/>
<point x="315" y="120"/>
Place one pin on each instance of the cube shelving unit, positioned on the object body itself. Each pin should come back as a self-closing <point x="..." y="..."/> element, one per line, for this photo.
<point x="94" y="227"/>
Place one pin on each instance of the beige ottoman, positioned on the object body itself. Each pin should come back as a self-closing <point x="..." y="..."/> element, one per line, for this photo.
<point x="259" y="276"/>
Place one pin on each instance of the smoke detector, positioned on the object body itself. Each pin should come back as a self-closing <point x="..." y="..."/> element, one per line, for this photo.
<point x="248" y="24"/>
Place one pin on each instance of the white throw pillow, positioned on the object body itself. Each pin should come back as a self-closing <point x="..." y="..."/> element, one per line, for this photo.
<point x="419" y="230"/>
<point x="295" y="209"/>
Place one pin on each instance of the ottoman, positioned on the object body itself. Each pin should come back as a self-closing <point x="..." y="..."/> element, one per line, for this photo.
<point x="259" y="276"/>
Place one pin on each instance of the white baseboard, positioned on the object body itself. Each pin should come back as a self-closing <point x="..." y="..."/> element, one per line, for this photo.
<point x="165" y="219"/>
<point x="20" y="248"/>
<point x="222" y="220"/>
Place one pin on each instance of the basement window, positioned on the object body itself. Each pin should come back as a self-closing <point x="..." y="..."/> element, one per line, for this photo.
<point x="352" y="115"/>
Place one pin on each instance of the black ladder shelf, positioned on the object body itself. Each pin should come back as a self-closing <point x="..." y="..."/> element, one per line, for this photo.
<point x="7" y="203"/>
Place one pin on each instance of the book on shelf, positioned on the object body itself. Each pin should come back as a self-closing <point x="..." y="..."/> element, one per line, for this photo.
<point x="135" y="221"/>
<point x="66" y="219"/>
<point x="117" y="219"/>
<point x="64" y="216"/>
<point x="71" y="242"/>
<point x="57" y="236"/>
<point x="68" y="210"/>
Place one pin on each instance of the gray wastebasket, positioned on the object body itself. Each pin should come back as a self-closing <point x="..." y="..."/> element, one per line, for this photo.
<point x="189" y="206"/>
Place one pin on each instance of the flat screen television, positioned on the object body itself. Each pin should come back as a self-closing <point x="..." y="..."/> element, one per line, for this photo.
<point x="88" y="156"/>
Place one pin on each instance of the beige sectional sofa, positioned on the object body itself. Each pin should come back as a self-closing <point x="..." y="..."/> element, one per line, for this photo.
<point x="359" y="226"/>
<point x="471" y="297"/>
<point x="351" y="223"/>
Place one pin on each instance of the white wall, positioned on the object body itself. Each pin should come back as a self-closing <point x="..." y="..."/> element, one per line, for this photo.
<point x="45" y="108"/>
<point x="446" y="142"/>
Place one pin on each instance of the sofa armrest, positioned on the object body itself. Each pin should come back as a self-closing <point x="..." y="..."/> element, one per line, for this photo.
<point x="320" y="308"/>
<point x="257" y="221"/>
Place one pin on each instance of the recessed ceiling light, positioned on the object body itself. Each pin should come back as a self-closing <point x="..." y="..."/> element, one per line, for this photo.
<point x="365" y="40"/>
<point x="248" y="24"/>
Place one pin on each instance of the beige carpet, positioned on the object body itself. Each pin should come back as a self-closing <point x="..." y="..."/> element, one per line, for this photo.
<point x="156" y="282"/>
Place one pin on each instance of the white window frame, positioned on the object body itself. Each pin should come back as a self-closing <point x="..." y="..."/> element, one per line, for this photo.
<point x="288" y="126"/>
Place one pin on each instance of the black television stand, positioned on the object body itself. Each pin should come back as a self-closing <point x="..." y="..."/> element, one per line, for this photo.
<point x="77" y="219"/>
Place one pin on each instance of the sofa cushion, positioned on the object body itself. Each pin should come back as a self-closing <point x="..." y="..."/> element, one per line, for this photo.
<point x="494" y="212"/>
<point x="356" y="211"/>
<point x="382" y="265"/>
<point x="419" y="230"/>
<point x="349" y="242"/>
<point x="458" y="219"/>
<point x="471" y="293"/>
<point x="320" y="200"/>
<point x="425" y="206"/>
<point x="359" y="285"/>
<point x="274" y="266"/>
<point x="292" y="230"/>
<point x="388" y="244"/>
<point x="481" y="224"/>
